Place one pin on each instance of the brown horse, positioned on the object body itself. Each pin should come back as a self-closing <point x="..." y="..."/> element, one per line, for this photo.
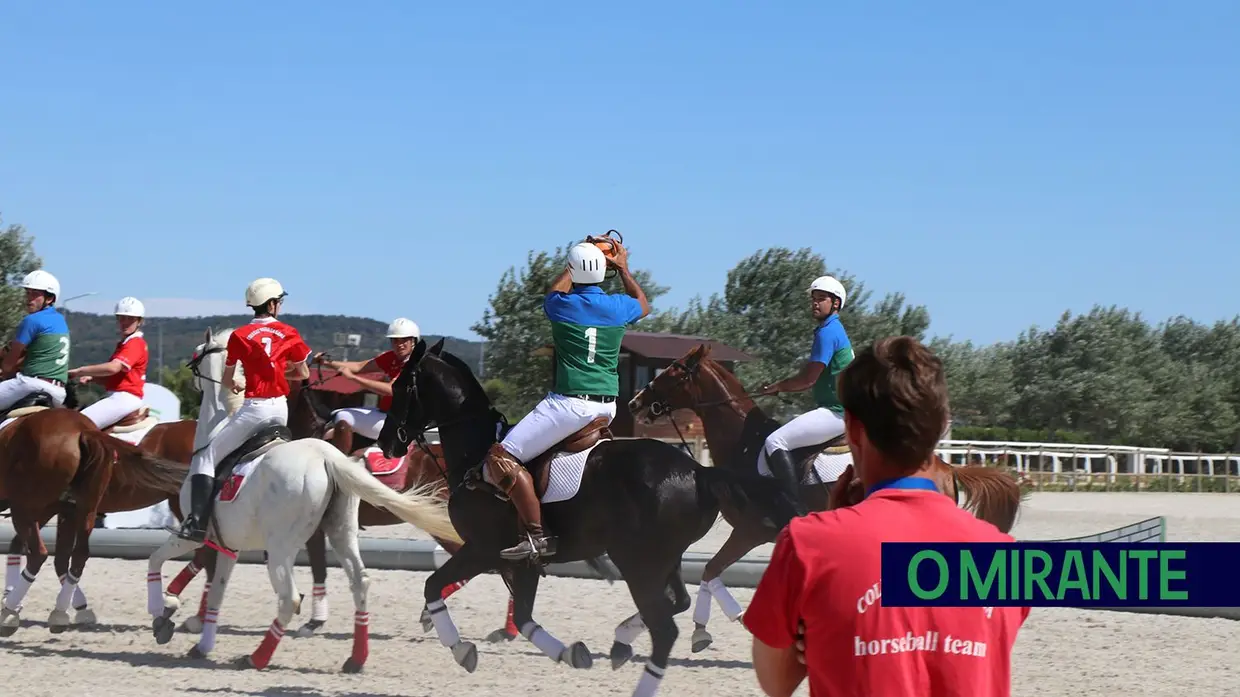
<point x="54" y="457"/>
<point x="736" y="429"/>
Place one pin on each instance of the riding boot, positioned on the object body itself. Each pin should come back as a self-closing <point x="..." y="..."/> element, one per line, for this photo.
<point x="201" y="495"/>
<point x="529" y="512"/>
<point x="785" y="470"/>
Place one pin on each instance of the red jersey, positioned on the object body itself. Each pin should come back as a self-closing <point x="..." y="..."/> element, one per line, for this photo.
<point x="391" y="365"/>
<point x="826" y="569"/>
<point x="265" y="346"/>
<point x="132" y="354"/>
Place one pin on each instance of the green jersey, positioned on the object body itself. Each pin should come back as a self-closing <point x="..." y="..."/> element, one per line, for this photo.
<point x="46" y="337"/>
<point x="587" y="328"/>
<point x="833" y="349"/>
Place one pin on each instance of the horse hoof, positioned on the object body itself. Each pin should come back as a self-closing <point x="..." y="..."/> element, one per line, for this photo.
<point x="195" y="653"/>
<point x="500" y="635"/>
<point x="58" y="621"/>
<point x="245" y="663"/>
<point x="192" y="625"/>
<point x="10" y="620"/>
<point x="85" y="618"/>
<point x="466" y="655"/>
<point x="163" y="630"/>
<point x="578" y="656"/>
<point x="701" y="640"/>
<point x="620" y="654"/>
<point x="308" y="629"/>
<point x="351" y="666"/>
<point x="427" y="624"/>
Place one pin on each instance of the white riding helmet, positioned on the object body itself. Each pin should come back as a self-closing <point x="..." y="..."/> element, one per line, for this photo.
<point x="130" y="307"/>
<point x="42" y="280"/>
<point x="827" y="284"/>
<point x="402" y="328"/>
<point x="262" y="290"/>
<point x="587" y="263"/>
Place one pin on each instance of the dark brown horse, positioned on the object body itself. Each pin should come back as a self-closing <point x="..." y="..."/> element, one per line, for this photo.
<point x="55" y="457"/>
<point x="736" y="429"/>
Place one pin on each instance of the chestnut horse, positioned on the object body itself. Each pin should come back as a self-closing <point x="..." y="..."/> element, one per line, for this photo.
<point x="736" y="429"/>
<point x="57" y="456"/>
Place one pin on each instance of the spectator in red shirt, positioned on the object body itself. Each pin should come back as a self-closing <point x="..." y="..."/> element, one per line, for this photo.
<point x="823" y="581"/>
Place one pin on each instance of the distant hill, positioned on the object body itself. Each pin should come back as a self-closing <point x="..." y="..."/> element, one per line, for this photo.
<point x="94" y="337"/>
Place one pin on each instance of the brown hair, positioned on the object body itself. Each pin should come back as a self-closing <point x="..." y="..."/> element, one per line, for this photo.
<point x="897" y="389"/>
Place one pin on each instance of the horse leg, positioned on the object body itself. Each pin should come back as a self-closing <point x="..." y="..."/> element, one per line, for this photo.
<point x="280" y="570"/>
<point x="658" y="613"/>
<point x="217" y="581"/>
<point x="524" y="591"/>
<point x="163" y="606"/>
<point x="344" y="542"/>
<point x="36" y="554"/>
<point x="13" y="566"/>
<point x="632" y="627"/>
<point x="739" y="543"/>
<point x="316" y="549"/>
<point x="68" y="535"/>
<point x="466" y="563"/>
<point x="203" y="558"/>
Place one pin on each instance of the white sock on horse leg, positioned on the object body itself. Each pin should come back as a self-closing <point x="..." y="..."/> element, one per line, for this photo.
<point x="444" y="627"/>
<point x="154" y="593"/>
<point x="79" y="598"/>
<point x="701" y="609"/>
<point x="318" y="606"/>
<point x="210" y="621"/>
<point x="727" y="603"/>
<point x="628" y="630"/>
<point x="12" y="570"/>
<point x="13" y="599"/>
<point x="541" y="638"/>
<point x="648" y="684"/>
<point x="68" y="584"/>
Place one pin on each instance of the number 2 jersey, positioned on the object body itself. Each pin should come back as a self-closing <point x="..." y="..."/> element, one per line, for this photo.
<point x="45" y="335"/>
<point x="264" y="348"/>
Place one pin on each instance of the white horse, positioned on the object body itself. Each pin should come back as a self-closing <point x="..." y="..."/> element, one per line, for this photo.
<point x="287" y="490"/>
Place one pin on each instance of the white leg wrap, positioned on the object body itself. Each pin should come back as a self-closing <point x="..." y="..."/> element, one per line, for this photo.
<point x="701" y="609"/>
<point x="206" y="642"/>
<point x="79" y="598"/>
<point x="318" y="608"/>
<point x="727" y="603"/>
<point x="448" y="636"/>
<point x="12" y="570"/>
<point x="154" y="593"/>
<point x="648" y="684"/>
<point x="13" y="599"/>
<point x="541" y="638"/>
<point x="628" y="630"/>
<point x="68" y="585"/>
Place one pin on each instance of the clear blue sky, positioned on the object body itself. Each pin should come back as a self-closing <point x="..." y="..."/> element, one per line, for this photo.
<point x="999" y="164"/>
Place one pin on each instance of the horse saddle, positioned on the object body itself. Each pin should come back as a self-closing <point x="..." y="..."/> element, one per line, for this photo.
<point x="583" y="439"/>
<point x="265" y="439"/>
<point x="134" y="421"/>
<point x="35" y="401"/>
<point x="805" y="456"/>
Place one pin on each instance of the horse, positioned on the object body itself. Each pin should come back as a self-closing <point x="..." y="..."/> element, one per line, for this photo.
<point x="273" y="491"/>
<point x="56" y="460"/>
<point x="642" y="502"/>
<point x="736" y="430"/>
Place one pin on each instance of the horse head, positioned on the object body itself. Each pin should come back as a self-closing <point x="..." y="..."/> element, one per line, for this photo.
<point x="692" y="381"/>
<point x="207" y="367"/>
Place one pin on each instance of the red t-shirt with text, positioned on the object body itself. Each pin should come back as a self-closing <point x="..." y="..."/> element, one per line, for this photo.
<point x="264" y="347"/>
<point x="133" y="355"/>
<point x="391" y="365"/>
<point x="826" y="569"/>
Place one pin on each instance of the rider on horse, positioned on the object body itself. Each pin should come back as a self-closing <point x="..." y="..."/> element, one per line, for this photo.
<point x="37" y="358"/>
<point x="404" y="335"/>
<point x="125" y="372"/>
<point x="264" y="347"/>
<point x="587" y="326"/>
<point x="831" y="353"/>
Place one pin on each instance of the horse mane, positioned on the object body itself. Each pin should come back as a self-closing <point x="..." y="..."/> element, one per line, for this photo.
<point x="138" y="470"/>
<point x="468" y="377"/>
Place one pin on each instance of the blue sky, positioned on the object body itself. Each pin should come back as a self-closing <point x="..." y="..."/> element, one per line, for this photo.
<point x="999" y="164"/>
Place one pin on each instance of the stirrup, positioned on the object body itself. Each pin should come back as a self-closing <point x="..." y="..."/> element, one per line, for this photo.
<point x="528" y="549"/>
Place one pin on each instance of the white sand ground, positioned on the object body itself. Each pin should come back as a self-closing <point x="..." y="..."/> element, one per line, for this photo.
<point x="1059" y="652"/>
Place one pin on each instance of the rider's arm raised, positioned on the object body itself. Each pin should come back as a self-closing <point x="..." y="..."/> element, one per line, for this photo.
<point x="562" y="283"/>
<point x="621" y="264"/>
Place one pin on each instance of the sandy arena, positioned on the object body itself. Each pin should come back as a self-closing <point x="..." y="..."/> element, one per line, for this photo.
<point x="1059" y="652"/>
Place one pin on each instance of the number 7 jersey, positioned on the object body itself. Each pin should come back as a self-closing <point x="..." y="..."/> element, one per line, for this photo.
<point x="264" y="348"/>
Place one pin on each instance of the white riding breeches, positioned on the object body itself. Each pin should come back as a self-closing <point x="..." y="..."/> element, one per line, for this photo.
<point x="365" y="421"/>
<point x="19" y="386"/>
<point x="112" y="408"/>
<point x="555" y="418"/>
<point x="810" y="428"/>
<point x="252" y="416"/>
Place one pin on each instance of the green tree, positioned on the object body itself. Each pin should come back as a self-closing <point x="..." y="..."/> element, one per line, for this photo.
<point x="979" y="382"/>
<point x="516" y="329"/>
<point x="180" y="381"/>
<point x="17" y="258"/>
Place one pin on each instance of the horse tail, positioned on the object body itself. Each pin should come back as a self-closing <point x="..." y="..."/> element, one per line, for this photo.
<point x="420" y="506"/>
<point x="994" y="495"/>
<point x="93" y="455"/>
<point x="135" y="469"/>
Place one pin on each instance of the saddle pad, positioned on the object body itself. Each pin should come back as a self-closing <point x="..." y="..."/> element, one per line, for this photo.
<point x="564" y="478"/>
<point x="135" y="437"/>
<point x="231" y="487"/>
<point x="829" y="467"/>
<point x="380" y="465"/>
